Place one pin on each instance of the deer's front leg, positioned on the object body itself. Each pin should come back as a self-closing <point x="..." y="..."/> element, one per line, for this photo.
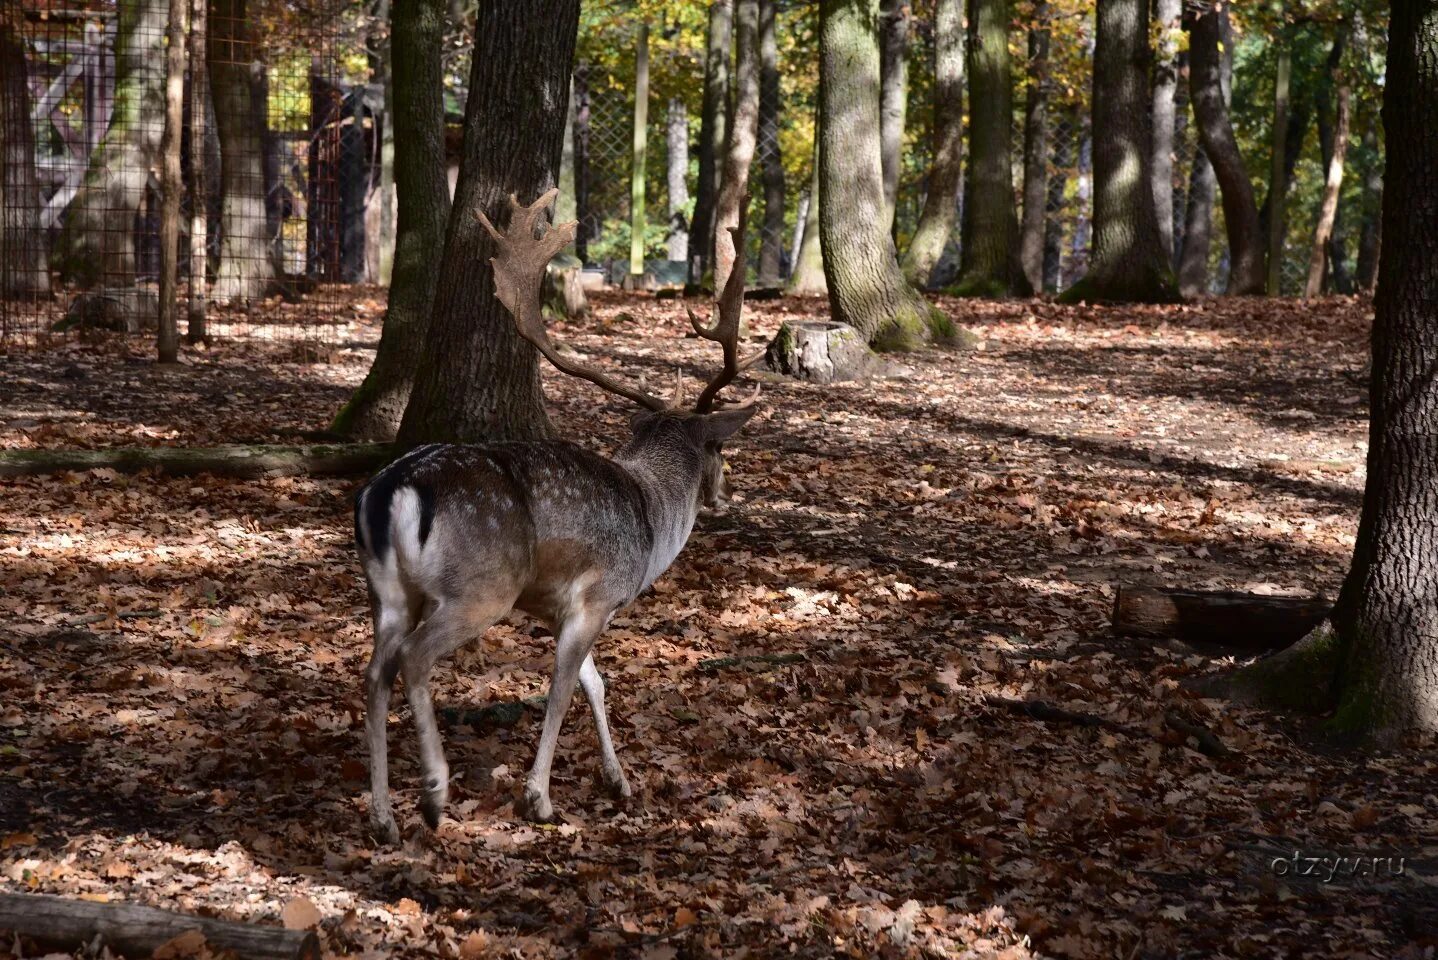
<point x="571" y="649"/>
<point x="593" y="685"/>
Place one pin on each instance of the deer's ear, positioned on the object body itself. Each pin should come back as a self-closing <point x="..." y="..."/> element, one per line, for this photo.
<point x="641" y="419"/>
<point x="725" y="423"/>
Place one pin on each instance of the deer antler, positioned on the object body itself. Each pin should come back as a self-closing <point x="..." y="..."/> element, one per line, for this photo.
<point x="519" y="264"/>
<point x="729" y="306"/>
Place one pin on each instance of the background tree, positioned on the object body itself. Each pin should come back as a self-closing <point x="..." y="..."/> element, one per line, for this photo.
<point x="677" y="178"/>
<point x="1167" y="15"/>
<point x="1036" y="149"/>
<point x="1130" y="262"/>
<point x="417" y="30"/>
<point x="866" y="288"/>
<point x="743" y="127"/>
<point x="711" y="135"/>
<point x="1193" y="278"/>
<point x="477" y="377"/>
<point x="894" y="20"/>
<point x="989" y="261"/>
<point x="936" y="222"/>
<point x="771" y="158"/>
<point x="808" y="276"/>
<point x="23" y="242"/>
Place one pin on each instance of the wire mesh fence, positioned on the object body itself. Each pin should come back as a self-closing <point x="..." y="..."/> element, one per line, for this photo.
<point x="275" y="161"/>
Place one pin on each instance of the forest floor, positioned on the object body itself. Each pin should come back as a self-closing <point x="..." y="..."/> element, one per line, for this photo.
<point x="803" y="702"/>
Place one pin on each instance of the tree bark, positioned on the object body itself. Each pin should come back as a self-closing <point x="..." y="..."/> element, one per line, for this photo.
<point x="136" y="931"/>
<point x="893" y="96"/>
<point x="711" y="136"/>
<point x="771" y="159"/>
<point x="477" y="377"/>
<point x="743" y="126"/>
<point x="1386" y="619"/>
<point x="1036" y="150"/>
<point x="638" y="205"/>
<point x="677" y="178"/>
<point x="237" y="78"/>
<point x="946" y="173"/>
<point x="417" y="29"/>
<point x="1328" y="212"/>
<point x="1129" y="263"/>
<point x="200" y="131"/>
<point x="989" y="263"/>
<point x="1168" y="13"/>
<point x="1241" y="620"/>
<point x="171" y="186"/>
<point x="97" y="242"/>
<point x="24" y="243"/>
<point x="1278" y="174"/>
<point x="867" y="290"/>
<point x="808" y="276"/>
<point x="1208" y="31"/>
<point x="1198" y="217"/>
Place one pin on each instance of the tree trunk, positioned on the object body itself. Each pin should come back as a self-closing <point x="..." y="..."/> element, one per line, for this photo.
<point x="24" y="243"/>
<point x="1083" y="192"/>
<point x="382" y="67"/>
<point x="171" y="186"/>
<point x="1336" y="275"/>
<point x="1300" y="114"/>
<point x="867" y="290"/>
<point x="1198" y="217"/>
<point x="1386" y="619"/>
<point x="1180" y="136"/>
<point x="989" y="253"/>
<point x="1053" y="225"/>
<point x="677" y="178"/>
<point x="638" y="205"/>
<point x="936" y="222"/>
<point x="200" y="132"/>
<point x="477" y="377"/>
<point x="97" y="243"/>
<point x="237" y="78"/>
<point x="743" y="126"/>
<point x="1036" y="150"/>
<point x="893" y="97"/>
<point x="1371" y="236"/>
<point x="1239" y="620"/>
<point x="808" y="276"/>
<point x="1329" y="210"/>
<point x="771" y="240"/>
<point x="1129" y="262"/>
<point x="711" y="137"/>
<point x="564" y="294"/>
<point x="1278" y="175"/>
<point x="1168" y="13"/>
<point x="1208" y="39"/>
<point x="417" y="29"/>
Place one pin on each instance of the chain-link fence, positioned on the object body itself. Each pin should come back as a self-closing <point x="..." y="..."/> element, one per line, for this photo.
<point x="275" y="160"/>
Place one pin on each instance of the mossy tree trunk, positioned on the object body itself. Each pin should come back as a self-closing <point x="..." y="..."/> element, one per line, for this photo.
<point x="1036" y="150"/>
<point x="893" y="96"/>
<point x="417" y="30"/>
<point x="477" y="378"/>
<point x="1129" y="263"/>
<point x="771" y="158"/>
<point x="867" y="290"/>
<point x="989" y="264"/>
<point x="936" y="222"/>
<point x="743" y="127"/>
<point x="97" y="242"/>
<point x="25" y="271"/>
<point x="711" y="136"/>
<point x="808" y="276"/>
<point x="1209" y="38"/>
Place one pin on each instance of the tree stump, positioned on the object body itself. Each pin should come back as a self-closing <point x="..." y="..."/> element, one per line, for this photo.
<point x="822" y="351"/>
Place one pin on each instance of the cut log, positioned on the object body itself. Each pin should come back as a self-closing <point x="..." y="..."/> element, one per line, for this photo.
<point x="260" y="460"/>
<point x="136" y="931"/>
<point x="822" y="351"/>
<point x="1243" y="621"/>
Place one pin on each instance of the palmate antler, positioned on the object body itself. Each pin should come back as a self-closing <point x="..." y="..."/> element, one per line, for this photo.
<point x="519" y="263"/>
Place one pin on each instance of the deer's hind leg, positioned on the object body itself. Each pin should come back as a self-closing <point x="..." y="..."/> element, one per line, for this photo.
<point x="394" y="614"/>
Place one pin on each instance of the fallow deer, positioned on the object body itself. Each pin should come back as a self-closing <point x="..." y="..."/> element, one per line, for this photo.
<point x="455" y="536"/>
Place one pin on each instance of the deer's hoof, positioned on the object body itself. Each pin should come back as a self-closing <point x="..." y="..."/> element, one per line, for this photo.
<point x="384" y="829"/>
<point x="535" y="807"/>
<point x="617" y="786"/>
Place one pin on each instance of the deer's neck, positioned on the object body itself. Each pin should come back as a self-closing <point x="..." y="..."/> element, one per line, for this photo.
<point x="670" y="481"/>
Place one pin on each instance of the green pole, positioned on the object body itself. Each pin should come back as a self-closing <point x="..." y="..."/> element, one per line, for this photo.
<point x="641" y="140"/>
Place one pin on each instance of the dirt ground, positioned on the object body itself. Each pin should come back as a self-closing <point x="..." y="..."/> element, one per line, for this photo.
<point x="803" y="701"/>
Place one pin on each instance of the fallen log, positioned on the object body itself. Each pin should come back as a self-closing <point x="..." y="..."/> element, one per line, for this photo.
<point x="258" y="460"/>
<point x="1243" y="621"/>
<point x="136" y="931"/>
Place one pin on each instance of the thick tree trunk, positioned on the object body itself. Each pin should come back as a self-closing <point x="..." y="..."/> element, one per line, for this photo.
<point x="711" y="137"/>
<point x="1328" y="212"/>
<point x="24" y="243"/>
<point x="97" y="242"/>
<point x="1198" y="217"/>
<point x="1036" y="150"/>
<point x="1168" y="13"/>
<point x="677" y="179"/>
<point x="1129" y="263"/>
<point x="771" y="160"/>
<point x="989" y="254"/>
<point x="417" y="29"/>
<point x="743" y="126"/>
<point x="936" y="222"/>
<point x="1208" y="38"/>
<point x="808" y="276"/>
<point x="638" y="204"/>
<point x="237" y="78"/>
<point x="893" y="96"/>
<point x="171" y="186"/>
<point x="1387" y="614"/>
<point x="867" y="290"/>
<point x="477" y="377"/>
